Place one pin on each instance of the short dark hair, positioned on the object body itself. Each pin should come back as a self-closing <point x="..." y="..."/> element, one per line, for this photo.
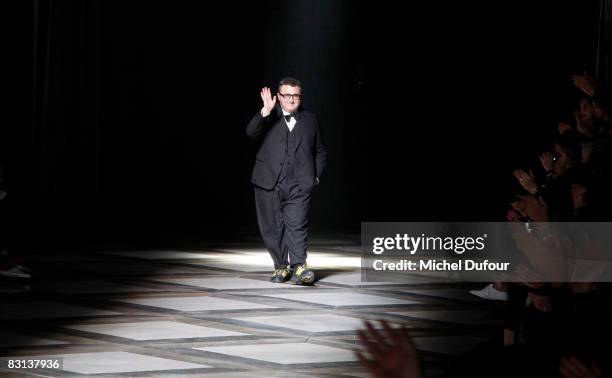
<point x="290" y="81"/>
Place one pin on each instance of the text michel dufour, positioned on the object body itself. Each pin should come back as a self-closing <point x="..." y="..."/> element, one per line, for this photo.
<point x="402" y="244"/>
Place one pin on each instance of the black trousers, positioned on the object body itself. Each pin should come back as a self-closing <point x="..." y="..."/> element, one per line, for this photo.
<point x="282" y="216"/>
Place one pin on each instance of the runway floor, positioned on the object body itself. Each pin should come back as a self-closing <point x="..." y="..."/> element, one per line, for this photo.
<point x="208" y="309"/>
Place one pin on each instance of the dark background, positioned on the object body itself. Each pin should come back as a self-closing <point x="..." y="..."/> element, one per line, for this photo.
<point x="137" y="110"/>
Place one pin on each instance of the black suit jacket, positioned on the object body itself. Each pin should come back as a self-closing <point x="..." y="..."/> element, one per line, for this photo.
<point x="310" y="152"/>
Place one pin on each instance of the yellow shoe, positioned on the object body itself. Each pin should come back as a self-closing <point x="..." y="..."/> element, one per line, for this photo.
<point x="280" y="275"/>
<point x="302" y="276"/>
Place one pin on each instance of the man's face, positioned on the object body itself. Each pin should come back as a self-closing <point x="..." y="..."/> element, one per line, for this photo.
<point x="290" y="98"/>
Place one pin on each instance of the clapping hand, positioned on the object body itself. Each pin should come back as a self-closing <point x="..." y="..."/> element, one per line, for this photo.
<point x="585" y="84"/>
<point x="536" y="208"/>
<point x="532" y="206"/>
<point x="527" y="180"/>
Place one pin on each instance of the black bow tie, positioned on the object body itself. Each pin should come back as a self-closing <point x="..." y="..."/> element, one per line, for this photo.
<point x="288" y="117"/>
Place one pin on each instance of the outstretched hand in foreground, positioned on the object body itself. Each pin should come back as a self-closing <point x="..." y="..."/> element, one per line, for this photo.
<point x="392" y="352"/>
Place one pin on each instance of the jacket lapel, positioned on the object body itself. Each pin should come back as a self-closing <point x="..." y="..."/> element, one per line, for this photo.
<point x="299" y="130"/>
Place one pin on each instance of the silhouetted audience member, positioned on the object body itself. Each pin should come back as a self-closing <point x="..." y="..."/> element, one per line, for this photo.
<point x="556" y="328"/>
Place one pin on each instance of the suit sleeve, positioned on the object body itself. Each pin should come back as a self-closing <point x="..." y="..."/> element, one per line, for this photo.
<point x="321" y="152"/>
<point x="257" y="125"/>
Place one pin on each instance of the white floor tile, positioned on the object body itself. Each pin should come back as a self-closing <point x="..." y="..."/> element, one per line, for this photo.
<point x="291" y="353"/>
<point x="225" y="283"/>
<point x="342" y="299"/>
<point x="351" y="279"/>
<point x="155" y="330"/>
<point x="309" y="323"/>
<point x="201" y="303"/>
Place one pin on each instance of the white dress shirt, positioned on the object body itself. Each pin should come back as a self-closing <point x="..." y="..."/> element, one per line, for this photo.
<point x="292" y="121"/>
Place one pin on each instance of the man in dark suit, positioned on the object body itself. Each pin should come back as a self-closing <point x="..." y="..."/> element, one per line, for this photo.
<point x="288" y="165"/>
